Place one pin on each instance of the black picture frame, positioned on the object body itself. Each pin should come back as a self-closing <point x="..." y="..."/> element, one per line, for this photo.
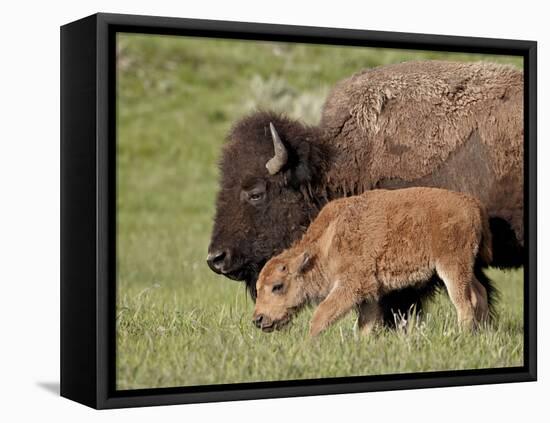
<point x="88" y="205"/>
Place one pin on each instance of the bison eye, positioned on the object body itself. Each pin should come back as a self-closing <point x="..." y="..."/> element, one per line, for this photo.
<point x="254" y="192"/>
<point x="256" y="196"/>
<point x="277" y="288"/>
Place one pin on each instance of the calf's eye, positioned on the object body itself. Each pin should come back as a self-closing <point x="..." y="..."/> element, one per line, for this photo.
<point x="277" y="288"/>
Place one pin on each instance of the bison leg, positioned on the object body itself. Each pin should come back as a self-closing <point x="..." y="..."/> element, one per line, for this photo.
<point x="339" y="302"/>
<point x="406" y="300"/>
<point x="458" y="278"/>
<point x="508" y="251"/>
<point x="370" y="316"/>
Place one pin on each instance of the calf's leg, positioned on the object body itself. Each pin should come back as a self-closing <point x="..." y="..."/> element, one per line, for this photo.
<point x="457" y="276"/>
<point x="338" y="302"/>
<point x="370" y="316"/>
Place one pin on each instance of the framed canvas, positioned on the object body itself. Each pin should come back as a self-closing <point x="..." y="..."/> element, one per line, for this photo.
<point x="257" y="211"/>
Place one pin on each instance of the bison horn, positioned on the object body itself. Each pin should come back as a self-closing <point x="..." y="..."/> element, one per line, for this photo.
<point x="280" y="158"/>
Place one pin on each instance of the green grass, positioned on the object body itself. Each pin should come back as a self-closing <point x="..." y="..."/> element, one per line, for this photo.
<point x="169" y="338"/>
<point x="177" y="322"/>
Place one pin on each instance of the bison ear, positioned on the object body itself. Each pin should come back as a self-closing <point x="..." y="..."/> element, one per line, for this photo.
<point x="304" y="262"/>
<point x="304" y="168"/>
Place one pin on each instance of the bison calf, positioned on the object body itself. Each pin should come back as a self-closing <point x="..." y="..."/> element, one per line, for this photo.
<point x="361" y="248"/>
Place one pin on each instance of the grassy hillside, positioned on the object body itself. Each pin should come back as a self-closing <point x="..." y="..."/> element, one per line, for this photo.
<point x="177" y="322"/>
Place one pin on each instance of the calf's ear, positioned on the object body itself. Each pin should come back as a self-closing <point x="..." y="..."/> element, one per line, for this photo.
<point x="304" y="262"/>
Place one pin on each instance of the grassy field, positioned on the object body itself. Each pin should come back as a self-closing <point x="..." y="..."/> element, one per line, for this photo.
<point x="180" y="324"/>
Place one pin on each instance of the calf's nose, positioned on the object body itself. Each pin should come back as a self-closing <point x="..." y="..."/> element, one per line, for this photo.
<point x="218" y="260"/>
<point x="258" y="320"/>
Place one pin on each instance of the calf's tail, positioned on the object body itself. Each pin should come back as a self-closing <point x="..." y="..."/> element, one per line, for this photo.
<point x="492" y="293"/>
<point x="484" y="259"/>
<point x="486" y="242"/>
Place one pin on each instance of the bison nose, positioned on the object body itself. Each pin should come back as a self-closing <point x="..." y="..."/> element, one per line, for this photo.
<point x="218" y="260"/>
<point x="257" y="320"/>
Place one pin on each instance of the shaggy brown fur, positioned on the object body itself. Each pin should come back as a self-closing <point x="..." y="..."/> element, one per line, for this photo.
<point x="457" y="126"/>
<point x="361" y="248"/>
<point x="397" y="125"/>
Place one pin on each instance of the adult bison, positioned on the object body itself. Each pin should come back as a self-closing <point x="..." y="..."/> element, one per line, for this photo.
<point x="450" y="125"/>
